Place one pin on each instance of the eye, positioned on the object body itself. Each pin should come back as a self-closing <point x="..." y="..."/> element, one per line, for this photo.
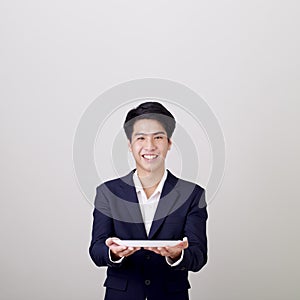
<point x="141" y="138"/>
<point x="159" y="137"/>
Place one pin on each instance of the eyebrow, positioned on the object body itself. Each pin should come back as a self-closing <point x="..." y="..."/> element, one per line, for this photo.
<point x="155" y="133"/>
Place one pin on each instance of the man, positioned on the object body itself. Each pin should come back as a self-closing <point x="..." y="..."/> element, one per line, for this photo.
<point x="149" y="203"/>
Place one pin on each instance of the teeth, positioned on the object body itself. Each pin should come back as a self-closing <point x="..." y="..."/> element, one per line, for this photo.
<point x="150" y="156"/>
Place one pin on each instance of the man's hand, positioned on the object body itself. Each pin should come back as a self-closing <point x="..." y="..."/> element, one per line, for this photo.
<point x="173" y="252"/>
<point x="118" y="251"/>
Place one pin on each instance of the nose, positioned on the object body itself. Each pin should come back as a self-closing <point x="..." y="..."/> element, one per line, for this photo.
<point x="149" y="144"/>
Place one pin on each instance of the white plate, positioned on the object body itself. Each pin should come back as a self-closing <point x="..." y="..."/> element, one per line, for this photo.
<point x="146" y="243"/>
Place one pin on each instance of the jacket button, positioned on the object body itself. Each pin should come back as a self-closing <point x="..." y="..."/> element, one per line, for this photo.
<point x="148" y="257"/>
<point x="147" y="282"/>
<point x="182" y="268"/>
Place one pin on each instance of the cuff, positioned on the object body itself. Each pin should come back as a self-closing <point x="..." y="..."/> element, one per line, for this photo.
<point x="173" y="263"/>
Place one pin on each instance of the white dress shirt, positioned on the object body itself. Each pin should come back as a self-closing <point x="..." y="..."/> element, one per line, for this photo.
<point x="148" y="208"/>
<point x="149" y="205"/>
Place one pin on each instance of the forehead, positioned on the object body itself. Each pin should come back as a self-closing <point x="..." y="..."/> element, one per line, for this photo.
<point x="147" y="126"/>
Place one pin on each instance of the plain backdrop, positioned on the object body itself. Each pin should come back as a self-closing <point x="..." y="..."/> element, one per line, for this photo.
<point x="242" y="57"/>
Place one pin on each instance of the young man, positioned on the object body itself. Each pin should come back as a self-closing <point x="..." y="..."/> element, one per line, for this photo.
<point x="149" y="203"/>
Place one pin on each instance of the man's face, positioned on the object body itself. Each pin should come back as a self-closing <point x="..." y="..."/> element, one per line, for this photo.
<point x="149" y="146"/>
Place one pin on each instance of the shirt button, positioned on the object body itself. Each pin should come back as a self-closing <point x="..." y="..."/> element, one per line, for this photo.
<point x="147" y="282"/>
<point x="148" y="257"/>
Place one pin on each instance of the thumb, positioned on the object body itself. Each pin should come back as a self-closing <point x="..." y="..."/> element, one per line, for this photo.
<point x="185" y="242"/>
<point x="110" y="241"/>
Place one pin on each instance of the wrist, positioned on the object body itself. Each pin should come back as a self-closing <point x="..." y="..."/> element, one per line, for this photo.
<point x="174" y="258"/>
<point x="114" y="256"/>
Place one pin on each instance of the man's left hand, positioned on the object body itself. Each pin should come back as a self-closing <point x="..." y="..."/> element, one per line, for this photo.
<point x="173" y="252"/>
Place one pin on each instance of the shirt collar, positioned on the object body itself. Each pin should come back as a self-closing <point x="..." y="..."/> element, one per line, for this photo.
<point x="139" y="187"/>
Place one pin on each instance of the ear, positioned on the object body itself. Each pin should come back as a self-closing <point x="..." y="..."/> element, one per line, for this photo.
<point x="129" y="146"/>
<point x="170" y="144"/>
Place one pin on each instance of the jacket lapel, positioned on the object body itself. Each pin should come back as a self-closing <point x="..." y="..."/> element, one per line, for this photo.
<point x="133" y="207"/>
<point x="166" y="202"/>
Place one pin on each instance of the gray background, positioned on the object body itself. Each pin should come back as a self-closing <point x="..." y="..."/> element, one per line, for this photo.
<point x="242" y="57"/>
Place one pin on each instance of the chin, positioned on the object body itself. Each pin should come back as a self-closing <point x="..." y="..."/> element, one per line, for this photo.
<point x="153" y="169"/>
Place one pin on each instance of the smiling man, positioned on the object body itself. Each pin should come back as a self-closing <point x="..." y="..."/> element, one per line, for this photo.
<point x="149" y="203"/>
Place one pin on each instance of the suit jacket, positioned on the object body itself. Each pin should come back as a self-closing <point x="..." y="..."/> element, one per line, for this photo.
<point x="181" y="212"/>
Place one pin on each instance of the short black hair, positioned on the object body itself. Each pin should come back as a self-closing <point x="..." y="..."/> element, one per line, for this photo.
<point x="150" y="110"/>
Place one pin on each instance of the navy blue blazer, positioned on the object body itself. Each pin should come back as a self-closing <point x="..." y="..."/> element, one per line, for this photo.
<point x="181" y="212"/>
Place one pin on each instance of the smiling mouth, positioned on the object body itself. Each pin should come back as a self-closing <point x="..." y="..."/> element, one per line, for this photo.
<point x="149" y="156"/>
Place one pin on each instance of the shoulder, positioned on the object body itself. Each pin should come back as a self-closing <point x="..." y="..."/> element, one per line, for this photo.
<point x="190" y="184"/>
<point x="115" y="183"/>
<point x="184" y="184"/>
<point x="188" y="191"/>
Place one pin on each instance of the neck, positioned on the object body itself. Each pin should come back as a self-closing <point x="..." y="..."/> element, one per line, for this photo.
<point x="150" y="179"/>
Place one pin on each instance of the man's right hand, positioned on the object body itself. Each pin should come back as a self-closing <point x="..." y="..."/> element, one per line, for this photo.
<point x="118" y="251"/>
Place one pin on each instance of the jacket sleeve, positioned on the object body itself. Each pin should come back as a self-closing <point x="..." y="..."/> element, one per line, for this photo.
<point x="103" y="228"/>
<point x="195" y="256"/>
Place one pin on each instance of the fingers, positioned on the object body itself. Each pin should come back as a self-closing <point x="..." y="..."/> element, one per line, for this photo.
<point x="164" y="251"/>
<point x="170" y="251"/>
<point x="128" y="251"/>
<point x="153" y="249"/>
<point x="118" y="250"/>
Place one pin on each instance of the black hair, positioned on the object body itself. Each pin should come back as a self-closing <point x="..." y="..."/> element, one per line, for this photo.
<point x="150" y="110"/>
